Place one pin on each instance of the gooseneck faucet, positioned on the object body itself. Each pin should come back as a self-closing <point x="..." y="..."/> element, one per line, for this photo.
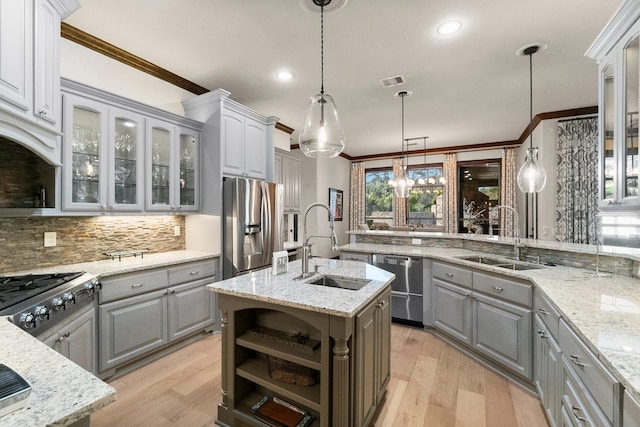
<point x="306" y="248"/>
<point x="516" y="229"/>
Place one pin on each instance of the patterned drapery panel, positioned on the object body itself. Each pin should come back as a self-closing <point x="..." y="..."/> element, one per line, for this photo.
<point x="357" y="196"/>
<point x="399" y="205"/>
<point x="577" y="182"/>
<point x="450" y="211"/>
<point x="508" y="188"/>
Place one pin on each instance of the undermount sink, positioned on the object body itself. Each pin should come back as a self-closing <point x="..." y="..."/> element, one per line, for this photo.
<point x="339" y="282"/>
<point x="502" y="263"/>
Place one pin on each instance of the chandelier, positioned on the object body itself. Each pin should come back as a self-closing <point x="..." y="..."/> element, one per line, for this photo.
<point x="401" y="183"/>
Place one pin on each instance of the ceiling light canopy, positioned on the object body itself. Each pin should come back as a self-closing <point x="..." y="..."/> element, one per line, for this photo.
<point x="322" y="135"/>
<point x="449" y="27"/>
<point x="531" y="176"/>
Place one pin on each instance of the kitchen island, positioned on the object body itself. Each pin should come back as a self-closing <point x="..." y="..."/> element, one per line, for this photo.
<point x="323" y="347"/>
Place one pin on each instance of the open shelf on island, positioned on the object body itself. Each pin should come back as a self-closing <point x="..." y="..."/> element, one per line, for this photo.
<point x="283" y="351"/>
<point x="243" y="409"/>
<point x="257" y="371"/>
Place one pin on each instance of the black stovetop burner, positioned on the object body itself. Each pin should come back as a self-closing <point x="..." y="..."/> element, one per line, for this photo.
<point x="15" y="289"/>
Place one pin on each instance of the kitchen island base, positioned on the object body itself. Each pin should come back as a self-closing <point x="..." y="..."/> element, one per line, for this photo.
<point x="336" y="369"/>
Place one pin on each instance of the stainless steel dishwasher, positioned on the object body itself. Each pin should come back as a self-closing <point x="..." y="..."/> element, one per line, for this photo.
<point x="406" y="288"/>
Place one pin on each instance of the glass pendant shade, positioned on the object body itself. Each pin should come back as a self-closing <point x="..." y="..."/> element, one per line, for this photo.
<point x="402" y="184"/>
<point x="323" y="135"/>
<point x="531" y="176"/>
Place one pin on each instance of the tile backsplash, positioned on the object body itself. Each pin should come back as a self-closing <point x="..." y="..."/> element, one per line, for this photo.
<point x="83" y="239"/>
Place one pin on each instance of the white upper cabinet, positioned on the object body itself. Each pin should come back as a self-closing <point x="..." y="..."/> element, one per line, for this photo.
<point x="288" y="172"/>
<point x="29" y="59"/>
<point x="617" y="51"/>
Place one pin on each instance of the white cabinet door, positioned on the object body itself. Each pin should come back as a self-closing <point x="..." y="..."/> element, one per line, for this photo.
<point x="77" y="340"/>
<point x="232" y="143"/>
<point x="46" y="64"/>
<point x="255" y="149"/>
<point x="16" y="60"/>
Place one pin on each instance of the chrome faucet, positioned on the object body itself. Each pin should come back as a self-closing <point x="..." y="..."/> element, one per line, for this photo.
<point x="306" y="247"/>
<point x="516" y="229"/>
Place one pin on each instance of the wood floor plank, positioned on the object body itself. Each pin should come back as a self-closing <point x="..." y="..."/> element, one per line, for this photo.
<point x="431" y="384"/>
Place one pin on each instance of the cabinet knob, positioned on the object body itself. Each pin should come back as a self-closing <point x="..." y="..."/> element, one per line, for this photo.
<point x="542" y="333"/>
<point x="62" y="337"/>
<point x="381" y="304"/>
<point x="43" y="112"/>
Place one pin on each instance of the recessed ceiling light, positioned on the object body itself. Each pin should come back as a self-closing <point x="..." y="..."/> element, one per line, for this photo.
<point x="284" y="75"/>
<point x="449" y="27"/>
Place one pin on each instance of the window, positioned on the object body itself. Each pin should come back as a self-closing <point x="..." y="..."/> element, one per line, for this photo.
<point x="378" y="196"/>
<point x="425" y="201"/>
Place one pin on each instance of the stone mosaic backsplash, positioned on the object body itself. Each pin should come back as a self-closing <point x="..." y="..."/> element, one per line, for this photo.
<point x="83" y="239"/>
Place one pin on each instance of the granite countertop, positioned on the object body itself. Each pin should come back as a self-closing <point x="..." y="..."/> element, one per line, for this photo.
<point x="603" y="310"/>
<point x="283" y="289"/>
<point x="61" y="392"/>
<point x="110" y="267"/>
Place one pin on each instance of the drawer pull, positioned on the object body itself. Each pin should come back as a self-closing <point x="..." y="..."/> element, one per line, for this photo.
<point x="543" y="311"/>
<point x="194" y="273"/>
<point x="576" y="413"/>
<point x="574" y="358"/>
<point x="137" y="285"/>
<point x="62" y="337"/>
<point x="497" y="288"/>
<point x="448" y="274"/>
<point x="542" y="333"/>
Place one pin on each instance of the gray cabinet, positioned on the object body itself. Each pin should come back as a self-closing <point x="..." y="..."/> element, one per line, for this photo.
<point x="145" y="311"/>
<point x="373" y="331"/>
<point x="350" y="363"/>
<point x="547" y="368"/>
<point x="288" y="172"/>
<point x="630" y="411"/>
<point x="489" y="313"/>
<point x="77" y="339"/>
<point x="244" y="146"/>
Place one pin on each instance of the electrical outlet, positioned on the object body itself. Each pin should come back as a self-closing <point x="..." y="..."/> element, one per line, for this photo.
<point x="416" y="241"/>
<point x="176" y="230"/>
<point x="49" y="239"/>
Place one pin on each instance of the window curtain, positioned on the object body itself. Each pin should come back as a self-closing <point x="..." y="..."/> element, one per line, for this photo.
<point x="357" y="196"/>
<point x="399" y="204"/>
<point x="508" y="177"/>
<point x="450" y="211"/>
<point x="577" y="182"/>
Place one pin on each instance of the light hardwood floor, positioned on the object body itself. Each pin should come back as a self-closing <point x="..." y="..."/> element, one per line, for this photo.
<point x="432" y="384"/>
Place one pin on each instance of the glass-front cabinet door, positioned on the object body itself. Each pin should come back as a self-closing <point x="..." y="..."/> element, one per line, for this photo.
<point x="632" y="103"/>
<point x="608" y="151"/>
<point x="159" y="138"/>
<point x="189" y="169"/>
<point x="126" y="151"/>
<point x="84" y="182"/>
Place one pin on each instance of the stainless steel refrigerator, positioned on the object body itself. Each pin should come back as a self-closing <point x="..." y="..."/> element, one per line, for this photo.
<point x="252" y="224"/>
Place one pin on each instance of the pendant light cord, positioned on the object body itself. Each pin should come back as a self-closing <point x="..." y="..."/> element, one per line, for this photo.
<point x="531" y="99"/>
<point x="403" y="156"/>
<point x="322" y="49"/>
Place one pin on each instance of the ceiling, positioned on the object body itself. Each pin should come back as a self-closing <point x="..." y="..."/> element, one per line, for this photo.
<point x="468" y="88"/>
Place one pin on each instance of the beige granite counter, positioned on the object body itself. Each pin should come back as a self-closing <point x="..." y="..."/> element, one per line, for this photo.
<point x="61" y="391"/>
<point x="110" y="267"/>
<point x="604" y="311"/>
<point x="283" y="289"/>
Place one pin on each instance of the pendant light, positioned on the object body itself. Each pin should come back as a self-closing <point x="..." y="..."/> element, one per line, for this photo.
<point x="531" y="176"/>
<point x="402" y="184"/>
<point x="322" y="135"/>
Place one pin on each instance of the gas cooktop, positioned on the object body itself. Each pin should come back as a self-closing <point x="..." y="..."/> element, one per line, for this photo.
<point x="15" y="289"/>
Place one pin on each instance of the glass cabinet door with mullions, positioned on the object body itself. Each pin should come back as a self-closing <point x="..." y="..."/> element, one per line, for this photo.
<point x="188" y="170"/>
<point x="160" y="167"/>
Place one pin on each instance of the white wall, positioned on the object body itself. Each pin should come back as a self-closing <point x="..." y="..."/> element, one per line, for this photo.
<point x="318" y="175"/>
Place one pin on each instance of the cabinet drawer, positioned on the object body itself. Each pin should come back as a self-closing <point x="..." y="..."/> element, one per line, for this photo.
<point x="549" y="315"/>
<point x="518" y="293"/>
<point x="598" y="381"/>
<point x="452" y="274"/>
<point x="192" y="271"/>
<point x="576" y="403"/>
<point x="127" y="285"/>
<point x="630" y="411"/>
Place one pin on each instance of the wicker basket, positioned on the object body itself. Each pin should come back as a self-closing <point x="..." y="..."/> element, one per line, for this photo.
<point x="291" y="373"/>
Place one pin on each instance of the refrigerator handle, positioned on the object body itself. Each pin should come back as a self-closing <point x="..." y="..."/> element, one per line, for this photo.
<point x="267" y="224"/>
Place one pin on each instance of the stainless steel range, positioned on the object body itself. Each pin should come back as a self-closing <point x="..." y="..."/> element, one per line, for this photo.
<point x="38" y="302"/>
